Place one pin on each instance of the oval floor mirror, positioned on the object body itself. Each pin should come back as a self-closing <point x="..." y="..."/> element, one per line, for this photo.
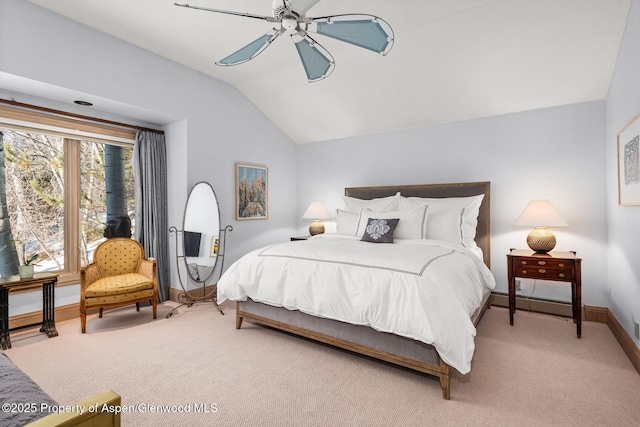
<point x="202" y="249"/>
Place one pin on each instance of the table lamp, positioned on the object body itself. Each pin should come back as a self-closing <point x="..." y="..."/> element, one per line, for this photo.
<point x="541" y="214"/>
<point x="316" y="211"/>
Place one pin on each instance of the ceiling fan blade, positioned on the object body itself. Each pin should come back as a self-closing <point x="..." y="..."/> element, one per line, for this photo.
<point x="317" y="62"/>
<point x="230" y="12"/>
<point x="251" y="50"/>
<point x="366" y="31"/>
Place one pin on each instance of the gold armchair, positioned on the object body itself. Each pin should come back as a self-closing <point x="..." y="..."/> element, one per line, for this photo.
<point x="119" y="275"/>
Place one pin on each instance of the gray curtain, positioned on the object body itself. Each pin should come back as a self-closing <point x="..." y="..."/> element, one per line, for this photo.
<point x="150" y="171"/>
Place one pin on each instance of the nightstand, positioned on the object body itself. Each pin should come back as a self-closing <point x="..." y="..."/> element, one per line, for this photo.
<point x="555" y="266"/>
<point x="293" y="239"/>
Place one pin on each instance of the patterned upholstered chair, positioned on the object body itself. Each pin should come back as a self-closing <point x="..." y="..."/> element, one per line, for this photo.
<point x="119" y="275"/>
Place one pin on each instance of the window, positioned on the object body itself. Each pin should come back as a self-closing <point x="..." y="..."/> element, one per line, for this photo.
<point x="57" y="188"/>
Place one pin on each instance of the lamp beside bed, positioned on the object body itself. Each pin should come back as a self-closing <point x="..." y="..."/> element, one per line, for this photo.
<point x="316" y="211"/>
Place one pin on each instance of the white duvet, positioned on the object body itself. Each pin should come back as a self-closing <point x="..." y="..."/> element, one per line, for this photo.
<point x="420" y="289"/>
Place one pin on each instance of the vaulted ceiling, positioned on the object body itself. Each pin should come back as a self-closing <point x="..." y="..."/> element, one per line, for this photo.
<point x="452" y="59"/>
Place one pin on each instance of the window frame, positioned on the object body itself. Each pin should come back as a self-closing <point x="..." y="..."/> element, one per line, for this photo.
<point x="73" y="131"/>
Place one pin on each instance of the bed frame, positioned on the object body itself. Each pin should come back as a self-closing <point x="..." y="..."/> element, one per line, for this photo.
<point x="364" y="340"/>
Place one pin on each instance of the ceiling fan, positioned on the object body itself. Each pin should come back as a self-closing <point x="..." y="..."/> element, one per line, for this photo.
<point x="366" y="31"/>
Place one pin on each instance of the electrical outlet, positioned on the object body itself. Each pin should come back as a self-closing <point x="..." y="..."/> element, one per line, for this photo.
<point x="637" y="330"/>
<point x="519" y="288"/>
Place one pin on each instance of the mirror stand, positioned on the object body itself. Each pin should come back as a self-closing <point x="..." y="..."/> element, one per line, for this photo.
<point x="187" y="297"/>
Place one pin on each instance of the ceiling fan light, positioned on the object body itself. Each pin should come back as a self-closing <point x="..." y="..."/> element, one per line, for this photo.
<point x="289" y="23"/>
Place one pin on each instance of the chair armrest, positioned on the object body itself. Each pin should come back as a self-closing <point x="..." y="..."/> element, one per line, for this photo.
<point x="82" y="415"/>
<point x="147" y="267"/>
<point x="89" y="274"/>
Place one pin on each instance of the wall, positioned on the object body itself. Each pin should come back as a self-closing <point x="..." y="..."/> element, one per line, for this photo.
<point x="623" y="104"/>
<point x="206" y="120"/>
<point x="554" y="153"/>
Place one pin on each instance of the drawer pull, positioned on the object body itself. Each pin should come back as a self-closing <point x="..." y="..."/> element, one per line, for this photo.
<point x="524" y="271"/>
<point x="561" y="265"/>
<point x="542" y="270"/>
<point x="561" y="275"/>
<point x="524" y="262"/>
<point x="542" y="262"/>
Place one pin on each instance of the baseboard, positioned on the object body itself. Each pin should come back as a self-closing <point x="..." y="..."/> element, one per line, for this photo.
<point x="62" y="313"/>
<point x="534" y="304"/>
<point x="595" y="314"/>
<point x="626" y="342"/>
<point x="175" y="294"/>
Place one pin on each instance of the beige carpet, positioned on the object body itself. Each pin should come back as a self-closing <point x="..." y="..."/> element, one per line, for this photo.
<point x="536" y="373"/>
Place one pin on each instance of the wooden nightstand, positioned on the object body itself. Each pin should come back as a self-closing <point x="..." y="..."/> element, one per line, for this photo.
<point x="293" y="239"/>
<point x="556" y="266"/>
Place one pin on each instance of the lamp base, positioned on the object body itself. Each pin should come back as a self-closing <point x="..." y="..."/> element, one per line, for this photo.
<point x="541" y="240"/>
<point x="316" y="227"/>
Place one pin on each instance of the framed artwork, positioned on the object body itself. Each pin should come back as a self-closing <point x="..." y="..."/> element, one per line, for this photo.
<point x="252" y="198"/>
<point x="215" y="246"/>
<point x="629" y="164"/>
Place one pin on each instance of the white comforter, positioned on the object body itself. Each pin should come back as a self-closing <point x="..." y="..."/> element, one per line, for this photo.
<point x="420" y="289"/>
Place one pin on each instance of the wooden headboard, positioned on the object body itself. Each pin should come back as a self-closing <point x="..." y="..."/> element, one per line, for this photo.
<point x="462" y="189"/>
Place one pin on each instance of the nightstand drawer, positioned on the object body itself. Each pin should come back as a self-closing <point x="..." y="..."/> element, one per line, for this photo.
<point x="548" y="272"/>
<point x="547" y="263"/>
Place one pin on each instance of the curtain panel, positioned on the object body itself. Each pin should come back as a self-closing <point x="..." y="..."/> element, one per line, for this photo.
<point x="150" y="171"/>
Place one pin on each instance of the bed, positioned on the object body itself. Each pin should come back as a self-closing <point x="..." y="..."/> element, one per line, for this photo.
<point x="364" y="301"/>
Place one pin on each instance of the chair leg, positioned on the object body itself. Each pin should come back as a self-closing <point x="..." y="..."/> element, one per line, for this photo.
<point x="137" y="306"/>
<point x="100" y="315"/>
<point x="155" y="309"/>
<point x="83" y="322"/>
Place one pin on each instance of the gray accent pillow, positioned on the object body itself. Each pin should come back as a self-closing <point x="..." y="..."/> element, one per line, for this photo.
<point x="380" y="230"/>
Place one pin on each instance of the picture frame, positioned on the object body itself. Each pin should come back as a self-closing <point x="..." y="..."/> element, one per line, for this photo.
<point x="215" y="246"/>
<point x="628" y="149"/>
<point x="252" y="192"/>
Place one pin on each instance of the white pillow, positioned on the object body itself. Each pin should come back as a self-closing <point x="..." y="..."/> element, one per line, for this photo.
<point x="470" y="207"/>
<point x="347" y="222"/>
<point x="446" y="225"/>
<point x="382" y="204"/>
<point x="412" y="223"/>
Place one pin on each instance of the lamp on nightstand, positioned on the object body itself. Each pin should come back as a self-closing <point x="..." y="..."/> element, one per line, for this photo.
<point x="316" y="211"/>
<point x="541" y="214"/>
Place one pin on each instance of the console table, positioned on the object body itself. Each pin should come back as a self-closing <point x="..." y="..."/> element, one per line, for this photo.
<point x="44" y="281"/>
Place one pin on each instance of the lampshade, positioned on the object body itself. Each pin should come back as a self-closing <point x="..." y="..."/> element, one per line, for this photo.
<point x="316" y="211"/>
<point x="541" y="214"/>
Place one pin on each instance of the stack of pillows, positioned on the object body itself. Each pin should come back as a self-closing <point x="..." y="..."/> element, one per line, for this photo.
<point x="452" y="219"/>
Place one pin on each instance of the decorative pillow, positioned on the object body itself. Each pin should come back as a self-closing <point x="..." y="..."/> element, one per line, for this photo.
<point x="412" y="223"/>
<point x="445" y="226"/>
<point x="347" y="222"/>
<point x="382" y="204"/>
<point x="380" y="230"/>
<point x="470" y="207"/>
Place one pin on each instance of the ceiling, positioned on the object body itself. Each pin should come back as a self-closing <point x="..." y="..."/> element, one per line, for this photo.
<point x="452" y="59"/>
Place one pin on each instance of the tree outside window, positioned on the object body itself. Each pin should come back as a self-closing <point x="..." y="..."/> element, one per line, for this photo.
<point x="45" y="205"/>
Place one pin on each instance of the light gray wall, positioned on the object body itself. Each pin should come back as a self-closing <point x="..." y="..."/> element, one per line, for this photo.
<point x="554" y="153"/>
<point x="623" y="104"/>
<point x="211" y="124"/>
